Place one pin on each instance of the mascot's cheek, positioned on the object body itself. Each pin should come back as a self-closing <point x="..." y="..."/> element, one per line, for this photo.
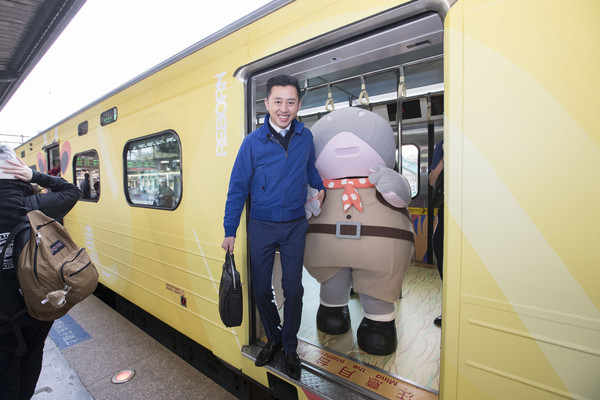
<point x="346" y="155"/>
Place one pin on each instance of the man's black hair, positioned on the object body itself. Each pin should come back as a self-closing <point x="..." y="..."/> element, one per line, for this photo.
<point x="282" y="80"/>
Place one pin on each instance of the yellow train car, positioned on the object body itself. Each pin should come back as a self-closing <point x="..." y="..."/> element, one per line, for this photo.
<point x="509" y="87"/>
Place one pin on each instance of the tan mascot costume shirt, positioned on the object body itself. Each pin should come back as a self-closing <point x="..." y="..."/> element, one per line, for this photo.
<point x="363" y="235"/>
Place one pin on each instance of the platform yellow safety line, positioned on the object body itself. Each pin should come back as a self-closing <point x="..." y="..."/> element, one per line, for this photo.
<point x="362" y="375"/>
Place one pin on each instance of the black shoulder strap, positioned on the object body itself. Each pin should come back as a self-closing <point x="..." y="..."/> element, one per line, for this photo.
<point x="31" y="203"/>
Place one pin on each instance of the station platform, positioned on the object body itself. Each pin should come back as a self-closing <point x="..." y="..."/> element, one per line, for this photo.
<point x="92" y="343"/>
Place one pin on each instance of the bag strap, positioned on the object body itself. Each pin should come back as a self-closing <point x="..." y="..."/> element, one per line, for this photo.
<point x="31" y="203"/>
<point x="22" y="347"/>
<point x="231" y="264"/>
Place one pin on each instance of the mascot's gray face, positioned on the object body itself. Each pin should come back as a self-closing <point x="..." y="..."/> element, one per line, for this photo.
<point x="351" y="140"/>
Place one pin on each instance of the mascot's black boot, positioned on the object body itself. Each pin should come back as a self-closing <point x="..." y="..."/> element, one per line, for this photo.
<point x="378" y="338"/>
<point x="333" y="320"/>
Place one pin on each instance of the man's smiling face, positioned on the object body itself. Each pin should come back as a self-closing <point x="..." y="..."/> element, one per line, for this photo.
<point x="283" y="105"/>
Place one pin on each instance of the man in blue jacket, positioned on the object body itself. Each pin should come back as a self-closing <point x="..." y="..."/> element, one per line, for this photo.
<point x="274" y="165"/>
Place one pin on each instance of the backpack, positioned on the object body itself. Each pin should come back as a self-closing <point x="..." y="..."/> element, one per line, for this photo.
<point x="53" y="272"/>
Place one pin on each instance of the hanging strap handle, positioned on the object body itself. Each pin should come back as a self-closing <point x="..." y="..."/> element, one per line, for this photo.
<point x="329" y="103"/>
<point x="363" y="97"/>
<point x="401" y="85"/>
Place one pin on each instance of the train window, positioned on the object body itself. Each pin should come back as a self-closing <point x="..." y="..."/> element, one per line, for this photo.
<point x="82" y="128"/>
<point x="410" y="167"/>
<point x="108" y="116"/>
<point x="86" y="170"/>
<point x="153" y="171"/>
<point x="411" y="109"/>
<point x="437" y="105"/>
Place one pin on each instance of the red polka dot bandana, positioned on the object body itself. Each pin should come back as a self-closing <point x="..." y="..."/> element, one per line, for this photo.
<point x="350" y="197"/>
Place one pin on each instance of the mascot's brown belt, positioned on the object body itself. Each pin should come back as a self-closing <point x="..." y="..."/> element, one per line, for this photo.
<point x="354" y="230"/>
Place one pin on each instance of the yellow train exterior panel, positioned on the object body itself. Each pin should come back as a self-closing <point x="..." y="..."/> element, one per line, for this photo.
<point x="521" y="297"/>
<point x="524" y="297"/>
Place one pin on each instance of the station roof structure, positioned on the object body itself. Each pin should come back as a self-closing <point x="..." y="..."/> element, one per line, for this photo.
<point x="28" y="28"/>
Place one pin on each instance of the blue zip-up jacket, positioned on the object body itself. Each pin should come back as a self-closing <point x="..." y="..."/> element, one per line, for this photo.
<point x="276" y="180"/>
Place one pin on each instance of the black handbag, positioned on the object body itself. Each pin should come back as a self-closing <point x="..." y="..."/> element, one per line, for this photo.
<point x="231" y="302"/>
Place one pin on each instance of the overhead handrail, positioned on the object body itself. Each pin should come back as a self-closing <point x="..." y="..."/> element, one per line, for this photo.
<point x="376" y="72"/>
<point x="401" y="92"/>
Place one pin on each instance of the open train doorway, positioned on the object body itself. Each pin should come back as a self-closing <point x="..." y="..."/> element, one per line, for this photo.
<point x="396" y="72"/>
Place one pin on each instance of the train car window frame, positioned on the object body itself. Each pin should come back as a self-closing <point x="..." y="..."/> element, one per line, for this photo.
<point x="163" y="173"/>
<point x="90" y="165"/>
<point x="52" y="157"/>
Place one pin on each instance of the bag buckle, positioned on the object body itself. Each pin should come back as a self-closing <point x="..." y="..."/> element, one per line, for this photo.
<point x="338" y="230"/>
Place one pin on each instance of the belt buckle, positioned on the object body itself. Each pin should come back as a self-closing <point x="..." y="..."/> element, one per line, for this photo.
<point x="338" y="229"/>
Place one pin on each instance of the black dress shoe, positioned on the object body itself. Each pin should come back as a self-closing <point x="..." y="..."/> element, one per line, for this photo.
<point x="292" y="365"/>
<point x="267" y="353"/>
<point x="438" y="321"/>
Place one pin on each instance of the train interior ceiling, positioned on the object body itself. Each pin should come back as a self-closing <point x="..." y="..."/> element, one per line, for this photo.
<point x="401" y="70"/>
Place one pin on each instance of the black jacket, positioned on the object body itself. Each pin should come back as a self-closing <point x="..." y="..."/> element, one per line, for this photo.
<point x="56" y="204"/>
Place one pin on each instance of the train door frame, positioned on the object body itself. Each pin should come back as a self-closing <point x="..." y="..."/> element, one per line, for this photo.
<point x="364" y="29"/>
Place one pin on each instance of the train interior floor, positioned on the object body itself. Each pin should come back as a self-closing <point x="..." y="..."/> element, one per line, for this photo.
<point x="417" y="358"/>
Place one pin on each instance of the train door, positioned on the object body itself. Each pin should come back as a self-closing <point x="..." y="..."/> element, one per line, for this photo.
<point x="388" y="71"/>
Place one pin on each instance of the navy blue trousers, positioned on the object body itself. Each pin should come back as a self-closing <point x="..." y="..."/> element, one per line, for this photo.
<point x="265" y="237"/>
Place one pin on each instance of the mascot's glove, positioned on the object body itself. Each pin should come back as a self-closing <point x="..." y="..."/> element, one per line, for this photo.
<point x="393" y="187"/>
<point x="313" y="207"/>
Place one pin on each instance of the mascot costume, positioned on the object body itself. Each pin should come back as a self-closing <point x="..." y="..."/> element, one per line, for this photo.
<point x="362" y="236"/>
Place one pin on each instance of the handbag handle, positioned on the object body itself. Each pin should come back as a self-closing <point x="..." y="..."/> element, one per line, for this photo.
<point x="229" y="260"/>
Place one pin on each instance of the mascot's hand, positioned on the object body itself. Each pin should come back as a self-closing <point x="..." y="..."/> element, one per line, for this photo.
<point x="393" y="187"/>
<point x="312" y="207"/>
